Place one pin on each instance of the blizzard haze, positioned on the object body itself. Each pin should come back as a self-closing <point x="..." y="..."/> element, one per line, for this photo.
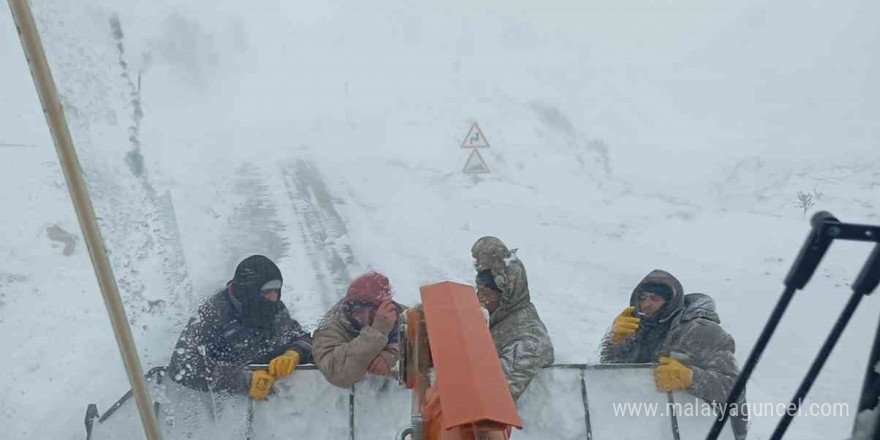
<point x="625" y="136"/>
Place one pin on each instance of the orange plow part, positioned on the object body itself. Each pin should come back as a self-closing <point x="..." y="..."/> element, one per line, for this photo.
<point x="470" y="399"/>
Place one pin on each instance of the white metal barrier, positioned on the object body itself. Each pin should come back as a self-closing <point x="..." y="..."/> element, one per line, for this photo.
<point x="576" y="401"/>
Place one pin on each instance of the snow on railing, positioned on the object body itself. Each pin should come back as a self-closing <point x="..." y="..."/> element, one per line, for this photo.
<point x="565" y="401"/>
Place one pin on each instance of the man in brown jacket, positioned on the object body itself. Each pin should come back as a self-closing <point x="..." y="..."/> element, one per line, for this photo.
<point x="359" y="334"/>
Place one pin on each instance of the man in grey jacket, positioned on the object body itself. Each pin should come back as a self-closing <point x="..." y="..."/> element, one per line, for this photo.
<point x="683" y="334"/>
<point x="521" y="340"/>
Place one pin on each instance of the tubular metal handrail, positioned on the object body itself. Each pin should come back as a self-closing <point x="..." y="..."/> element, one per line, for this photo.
<point x="157" y="373"/>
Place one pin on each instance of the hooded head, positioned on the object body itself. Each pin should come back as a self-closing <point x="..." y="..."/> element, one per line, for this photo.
<point x="252" y="276"/>
<point x="662" y="285"/>
<point x="488" y="292"/>
<point x="490" y="254"/>
<point x="364" y="296"/>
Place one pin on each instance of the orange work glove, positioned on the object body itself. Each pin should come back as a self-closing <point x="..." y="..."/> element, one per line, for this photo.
<point x="261" y="383"/>
<point x="624" y="325"/>
<point x="285" y="364"/>
<point x="672" y="375"/>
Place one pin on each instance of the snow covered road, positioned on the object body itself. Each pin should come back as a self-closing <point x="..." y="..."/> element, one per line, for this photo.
<point x="624" y="137"/>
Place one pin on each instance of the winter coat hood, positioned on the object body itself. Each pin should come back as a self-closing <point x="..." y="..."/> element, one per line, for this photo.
<point x="509" y="274"/>
<point x="697" y="306"/>
<point x="674" y="305"/>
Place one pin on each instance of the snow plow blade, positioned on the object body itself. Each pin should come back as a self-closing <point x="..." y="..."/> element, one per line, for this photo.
<point x="471" y="388"/>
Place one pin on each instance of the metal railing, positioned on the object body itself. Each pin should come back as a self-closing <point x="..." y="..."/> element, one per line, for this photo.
<point x="157" y="374"/>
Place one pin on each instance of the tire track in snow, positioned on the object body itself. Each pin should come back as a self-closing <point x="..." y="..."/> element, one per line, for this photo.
<point x="134" y="159"/>
<point x="323" y="230"/>
<point x="158" y="211"/>
<point x="254" y="226"/>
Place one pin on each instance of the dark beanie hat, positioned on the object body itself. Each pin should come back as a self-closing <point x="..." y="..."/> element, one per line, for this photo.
<point x="256" y="269"/>
<point x="485" y="278"/>
<point x="657" y="289"/>
<point x="250" y="276"/>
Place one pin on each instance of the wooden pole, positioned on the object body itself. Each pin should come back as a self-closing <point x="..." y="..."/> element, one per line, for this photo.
<point x="36" y="57"/>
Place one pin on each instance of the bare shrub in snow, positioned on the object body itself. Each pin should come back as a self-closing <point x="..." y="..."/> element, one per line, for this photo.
<point x="804" y="201"/>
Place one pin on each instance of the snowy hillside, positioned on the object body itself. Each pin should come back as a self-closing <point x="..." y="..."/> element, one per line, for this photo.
<point x="624" y="137"/>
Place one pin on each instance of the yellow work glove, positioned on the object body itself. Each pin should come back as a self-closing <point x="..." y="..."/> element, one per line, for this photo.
<point x="672" y="375"/>
<point x="624" y="325"/>
<point x="285" y="364"/>
<point x="261" y="383"/>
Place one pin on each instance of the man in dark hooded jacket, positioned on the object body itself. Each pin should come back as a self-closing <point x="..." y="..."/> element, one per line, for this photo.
<point x="520" y="337"/>
<point x="682" y="333"/>
<point x="244" y="323"/>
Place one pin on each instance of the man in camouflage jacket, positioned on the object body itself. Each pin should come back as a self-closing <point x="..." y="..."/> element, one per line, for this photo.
<point x="521" y="340"/>
<point x="683" y="334"/>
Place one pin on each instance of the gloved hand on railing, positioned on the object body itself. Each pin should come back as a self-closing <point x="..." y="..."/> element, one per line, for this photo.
<point x="285" y="364"/>
<point x="261" y="384"/>
<point x="672" y="375"/>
